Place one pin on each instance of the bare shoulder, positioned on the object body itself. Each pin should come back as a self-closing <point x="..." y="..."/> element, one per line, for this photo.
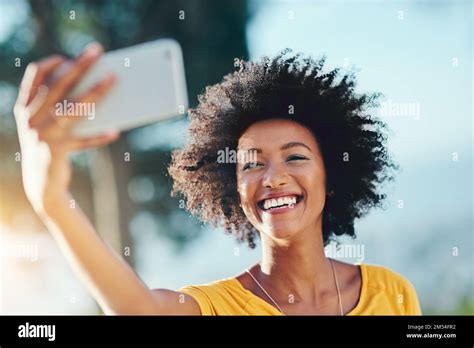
<point x="171" y="302"/>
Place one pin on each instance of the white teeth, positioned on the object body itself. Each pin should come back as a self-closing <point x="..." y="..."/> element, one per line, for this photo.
<point x="292" y="202"/>
<point x="287" y="200"/>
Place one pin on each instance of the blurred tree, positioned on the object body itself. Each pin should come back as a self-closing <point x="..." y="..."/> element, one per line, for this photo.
<point x="212" y="35"/>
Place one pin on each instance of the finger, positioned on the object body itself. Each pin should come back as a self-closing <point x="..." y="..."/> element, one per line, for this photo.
<point x="35" y="74"/>
<point x="92" y="96"/>
<point x="99" y="90"/>
<point x="62" y="85"/>
<point x="58" y="125"/>
<point x="92" y="142"/>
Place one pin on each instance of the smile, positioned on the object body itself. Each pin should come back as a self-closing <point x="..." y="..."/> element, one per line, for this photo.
<point x="279" y="204"/>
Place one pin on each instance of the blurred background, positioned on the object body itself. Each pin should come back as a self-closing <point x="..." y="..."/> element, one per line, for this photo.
<point x="417" y="53"/>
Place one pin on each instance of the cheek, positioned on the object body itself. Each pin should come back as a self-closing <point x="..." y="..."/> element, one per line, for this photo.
<point x="245" y="190"/>
<point x="313" y="180"/>
<point x="317" y="182"/>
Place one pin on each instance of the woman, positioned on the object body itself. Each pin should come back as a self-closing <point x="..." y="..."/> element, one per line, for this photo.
<point x="309" y="163"/>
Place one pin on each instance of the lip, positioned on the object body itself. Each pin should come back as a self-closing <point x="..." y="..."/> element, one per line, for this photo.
<point x="279" y="194"/>
<point x="280" y="210"/>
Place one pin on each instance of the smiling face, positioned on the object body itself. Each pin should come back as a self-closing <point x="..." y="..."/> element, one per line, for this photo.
<point x="282" y="186"/>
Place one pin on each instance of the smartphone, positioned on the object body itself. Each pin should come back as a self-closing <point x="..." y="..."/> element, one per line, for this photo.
<point x="150" y="87"/>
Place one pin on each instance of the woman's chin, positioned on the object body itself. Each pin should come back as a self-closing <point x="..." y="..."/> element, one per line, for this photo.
<point x="281" y="231"/>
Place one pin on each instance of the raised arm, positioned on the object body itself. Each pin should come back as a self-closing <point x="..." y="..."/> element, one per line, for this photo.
<point x="46" y="143"/>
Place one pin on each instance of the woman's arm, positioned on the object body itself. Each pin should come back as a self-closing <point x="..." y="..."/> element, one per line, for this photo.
<point x="108" y="277"/>
<point x="46" y="143"/>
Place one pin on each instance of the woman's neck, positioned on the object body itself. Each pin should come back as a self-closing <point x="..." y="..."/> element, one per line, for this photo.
<point x="298" y="269"/>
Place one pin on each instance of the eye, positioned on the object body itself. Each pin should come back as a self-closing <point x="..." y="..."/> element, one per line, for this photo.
<point x="296" y="158"/>
<point x="250" y="165"/>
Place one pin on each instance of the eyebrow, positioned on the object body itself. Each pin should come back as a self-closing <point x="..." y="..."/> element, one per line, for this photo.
<point x="283" y="147"/>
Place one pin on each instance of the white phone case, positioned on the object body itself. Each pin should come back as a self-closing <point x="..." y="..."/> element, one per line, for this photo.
<point x="150" y="87"/>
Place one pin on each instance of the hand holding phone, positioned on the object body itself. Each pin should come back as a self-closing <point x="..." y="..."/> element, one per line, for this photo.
<point x="58" y="112"/>
<point x="150" y="87"/>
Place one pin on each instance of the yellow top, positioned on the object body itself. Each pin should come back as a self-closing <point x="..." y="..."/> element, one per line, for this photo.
<point x="384" y="292"/>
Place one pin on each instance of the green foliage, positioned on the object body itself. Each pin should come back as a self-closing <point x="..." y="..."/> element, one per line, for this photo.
<point x="464" y="306"/>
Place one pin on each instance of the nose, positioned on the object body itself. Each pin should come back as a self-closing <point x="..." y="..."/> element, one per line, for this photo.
<point x="275" y="176"/>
